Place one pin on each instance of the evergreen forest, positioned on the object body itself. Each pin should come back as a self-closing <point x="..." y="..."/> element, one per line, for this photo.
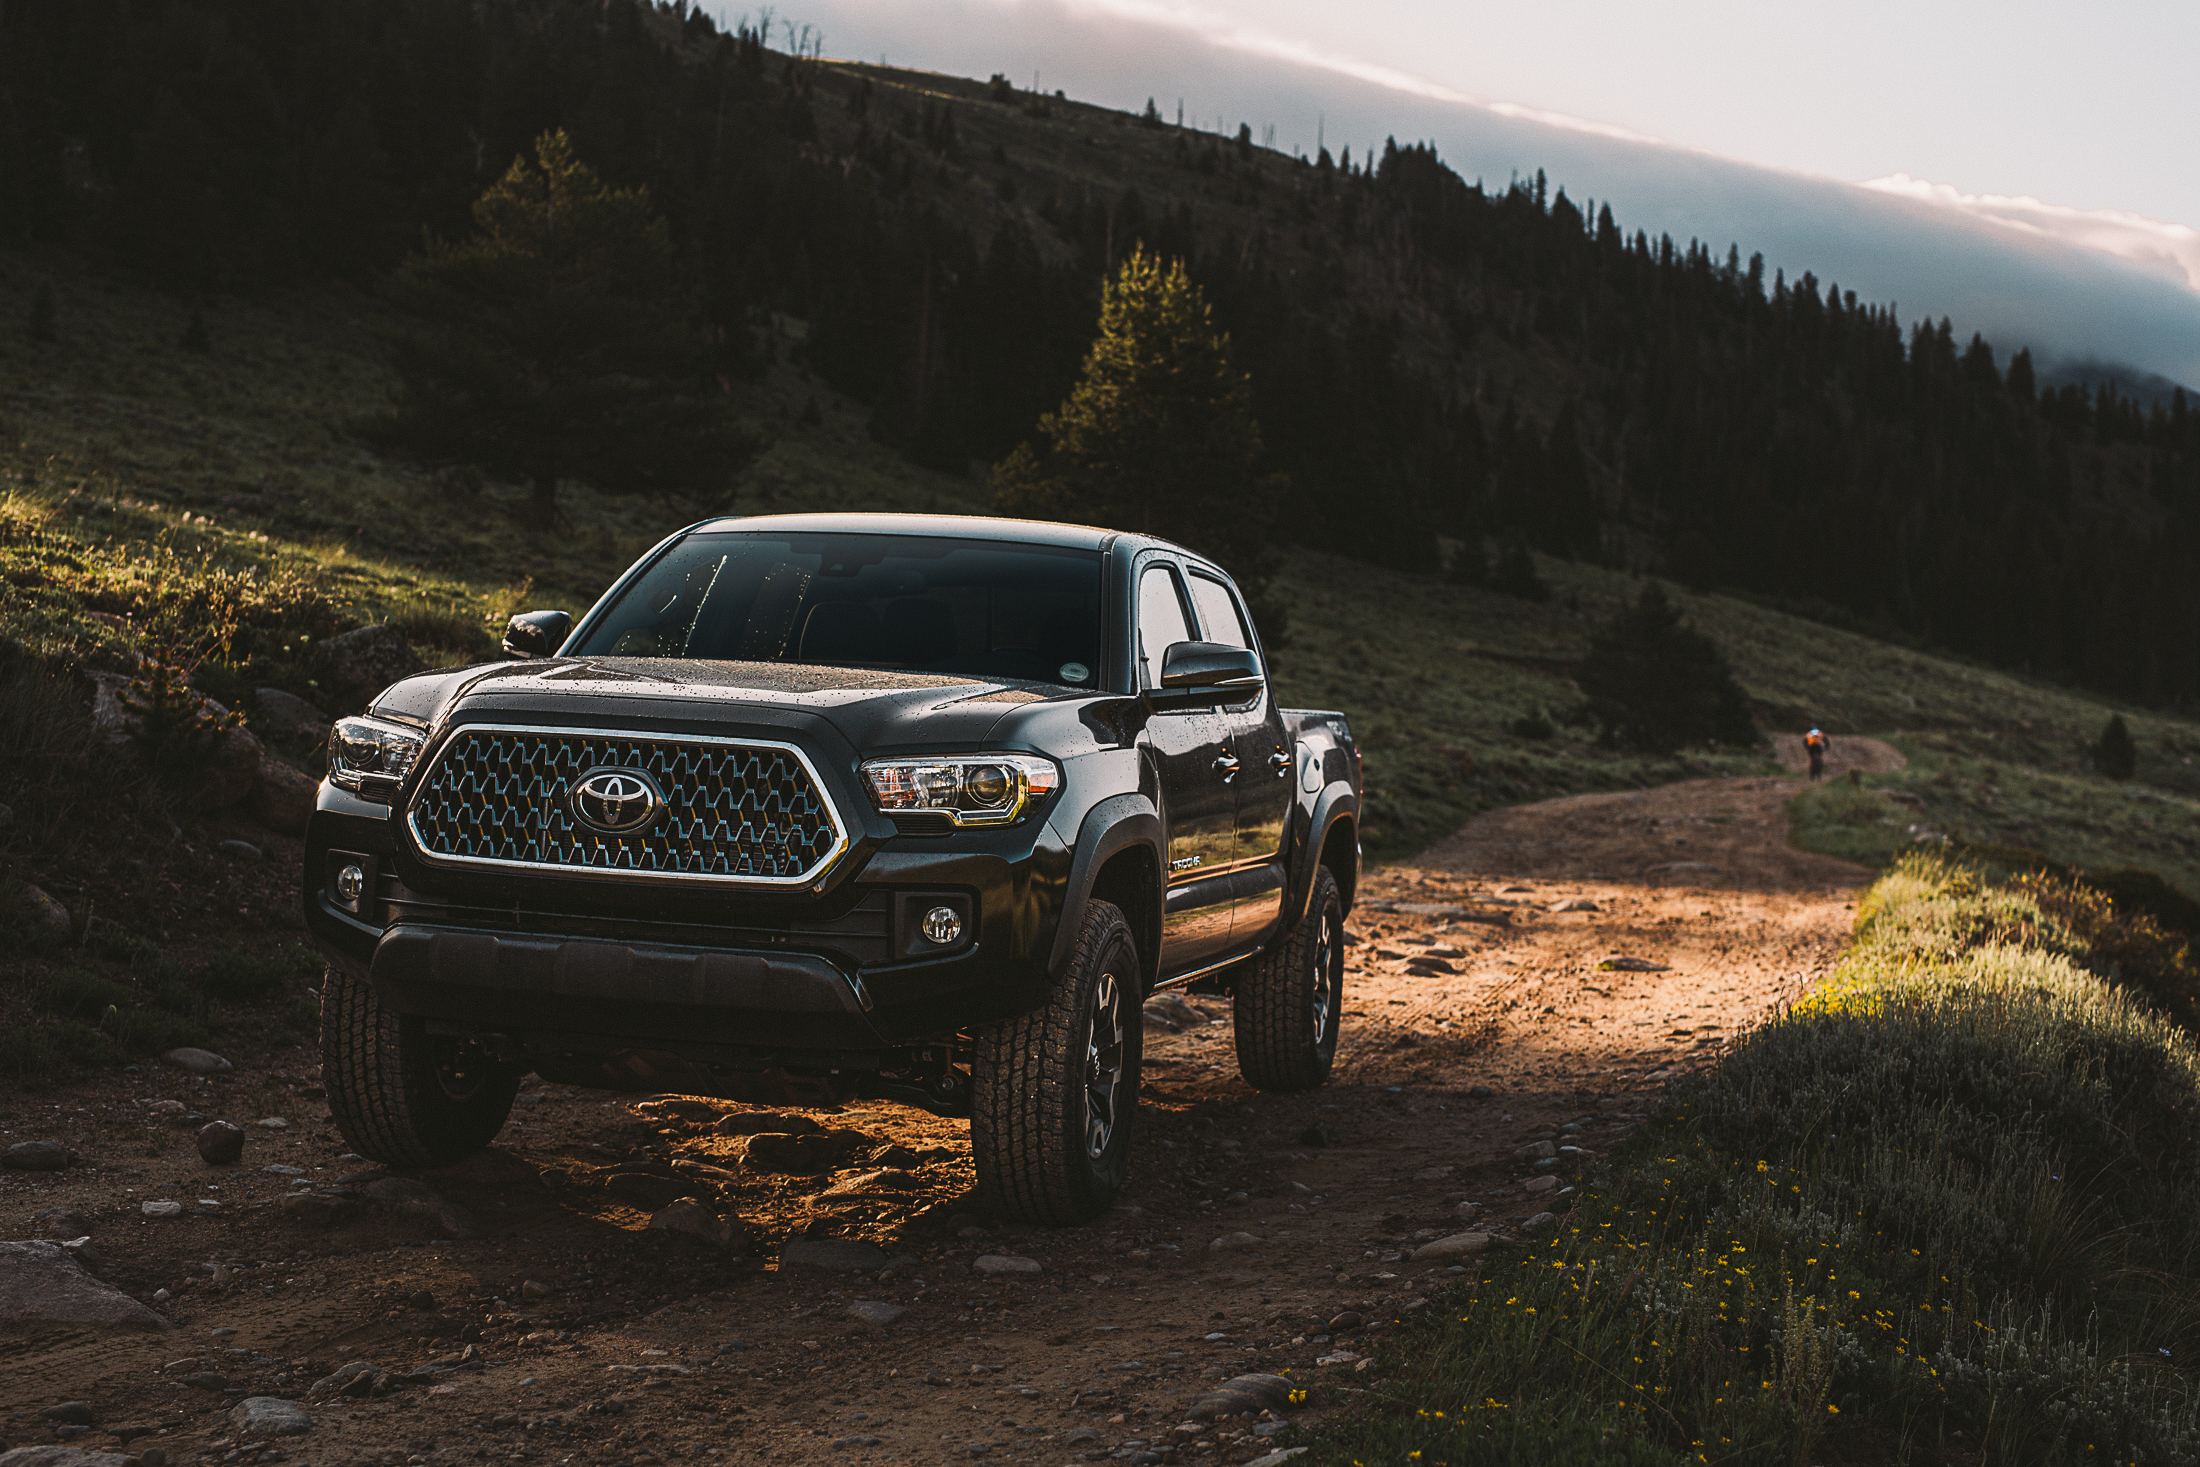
<point x="1443" y="372"/>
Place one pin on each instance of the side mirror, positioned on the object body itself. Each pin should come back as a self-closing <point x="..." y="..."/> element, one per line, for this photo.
<point x="1193" y="672"/>
<point x="537" y="633"/>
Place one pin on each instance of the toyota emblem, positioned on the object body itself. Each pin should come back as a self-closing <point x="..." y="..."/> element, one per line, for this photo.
<point x="616" y="801"/>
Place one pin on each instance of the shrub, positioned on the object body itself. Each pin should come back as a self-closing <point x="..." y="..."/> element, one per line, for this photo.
<point x="2114" y="754"/>
<point x="1536" y="726"/>
<point x="1656" y="683"/>
<point x="1514" y="574"/>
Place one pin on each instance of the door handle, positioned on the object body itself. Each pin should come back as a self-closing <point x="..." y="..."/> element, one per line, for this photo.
<point x="1228" y="765"/>
<point x="1280" y="761"/>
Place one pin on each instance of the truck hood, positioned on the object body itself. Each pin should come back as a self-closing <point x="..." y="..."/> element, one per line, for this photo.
<point x="871" y="709"/>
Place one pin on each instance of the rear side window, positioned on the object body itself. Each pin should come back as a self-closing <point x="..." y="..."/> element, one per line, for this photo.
<point x="1218" y="612"/>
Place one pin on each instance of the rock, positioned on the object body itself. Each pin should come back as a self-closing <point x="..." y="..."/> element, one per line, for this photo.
<point x="282" y="798"/>
<point x="37" y="1156"/>
<point x="1244" y="1395"/>
<point x="41" y="1284"/>
<point x="888" y="1179"/>
<point x="799" y="1155"/>
<point x="757" y="1122"/>
<point x="650" y="1190"/>
<point x="355" y="666"/>
<point x="1278" y="1457"/>
<point x="61" y="1222"/>
<point x="418" y="1199"/>
<point x="831" y="1255"/>
<point x="1631" y="965"/>
<point x="356" y="1379"/>
<point x="1540" y="1184"/>
<point x="83" y="1250"/>
<point x="1539" y="1222"/>
<point x="1458" y="1245"/>
<point x="220" y="779"/>
<point x="65" y="1457"/>
<point x="161" y="1209"/>
<point x="47" y="912"/>
<point x="1350" y="1320"/>
<point x="697" y="1221"/>
<point x="290" y="718"/>
<point x="205" y="1380"/>
<point x="1535" y="1151"/>
<point x="876" y="1313"/>
<point x="1233" y="1242"/>
<point x="220" y="1143"/>
<point x="316" y="1209"/>
<point x="197" y="1061"/>
<point x="1481" y="1092"/>
<point x="1433" y="1173"/>
<point x="998" y="1263"/>
<point x="274" y="1123"/>
<point x="1574" y="904"/>
<point x="1157" y="1017"/>
<point x="239" y="850"/>
<point x="270" y="1416"/>
<point x="69" y="1413"/>
<point x="1466" y="1209"/>
<point x="1317" y="1134"/>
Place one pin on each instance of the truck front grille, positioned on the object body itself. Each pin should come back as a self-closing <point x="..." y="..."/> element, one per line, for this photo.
<point x="735" y="811"/>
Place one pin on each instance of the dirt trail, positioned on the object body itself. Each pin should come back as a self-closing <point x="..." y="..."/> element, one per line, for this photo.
<point x="1258" y="1233"/>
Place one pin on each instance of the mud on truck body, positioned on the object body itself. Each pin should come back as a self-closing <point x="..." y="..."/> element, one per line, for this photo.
<point x="816" y="807"/>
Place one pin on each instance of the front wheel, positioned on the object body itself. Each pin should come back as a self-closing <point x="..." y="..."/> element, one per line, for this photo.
<point x="1055" y="1092"/>
<point x="400" y="1095"/>
<point x="1288" y="1005"/>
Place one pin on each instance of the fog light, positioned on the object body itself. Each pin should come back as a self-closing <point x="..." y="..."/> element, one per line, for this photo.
<point x="351" y="884"/>
<point x="942" y="925"/>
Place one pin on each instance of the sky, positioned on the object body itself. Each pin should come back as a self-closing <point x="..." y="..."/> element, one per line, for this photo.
<point x="2022" y="167"/>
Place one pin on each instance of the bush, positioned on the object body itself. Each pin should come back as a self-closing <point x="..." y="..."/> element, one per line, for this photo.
<point x="1657" y="684"/>
<point x="2114" y="754"/>
<point x="1515" y="574"/>
<point x="1535" y="726"/>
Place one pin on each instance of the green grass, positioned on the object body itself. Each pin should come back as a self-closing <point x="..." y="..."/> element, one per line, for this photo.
<point x="1949" y="1205"/>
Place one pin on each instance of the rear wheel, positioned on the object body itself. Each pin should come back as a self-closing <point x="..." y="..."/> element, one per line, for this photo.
<point x="1288" y="1005"/>
<point x="1055" y="1092"/>
<point x="400" y="1095"/>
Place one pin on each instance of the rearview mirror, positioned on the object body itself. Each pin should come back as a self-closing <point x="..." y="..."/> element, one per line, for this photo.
<point x="1194" y="670"/>
<point x="537" y="633"/>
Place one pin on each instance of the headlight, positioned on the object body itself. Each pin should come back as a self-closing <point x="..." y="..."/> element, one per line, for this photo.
<point x="369" y="756"/>
<point x="971" y="789"/>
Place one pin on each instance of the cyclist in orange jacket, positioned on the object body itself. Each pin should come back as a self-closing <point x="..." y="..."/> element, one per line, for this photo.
<point x="1814" y="744"/>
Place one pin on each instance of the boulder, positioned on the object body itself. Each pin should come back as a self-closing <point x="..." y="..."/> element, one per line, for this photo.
<point x="289" y="718"/>
<point x="770" y="1151"/>
<point x="197" y="1061"/>
<point x="42" y="1286"/>
<point x="359" y="664"/>
<point x="220" y="1143"/>
<point x="1244" y="1395"/>
<point x="37" y="1156"/>
<point x="755" y="1122"/>
<point x="270" y="1416"/>
<point x="47" y="912"/>
<point x="282" y="799"/>
<point x="223" y="778"/>
<point x="697" y="1221"/>
<point x="1458" y="1245"/>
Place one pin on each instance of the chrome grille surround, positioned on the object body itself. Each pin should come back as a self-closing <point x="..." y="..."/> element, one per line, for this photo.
<point x="739" y="811"/>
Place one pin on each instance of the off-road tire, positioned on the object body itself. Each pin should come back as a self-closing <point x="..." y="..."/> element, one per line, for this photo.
<point x="400" y="1095"/>
<point x="1030" y="1123"/>
<point x="1290" y="1001"/>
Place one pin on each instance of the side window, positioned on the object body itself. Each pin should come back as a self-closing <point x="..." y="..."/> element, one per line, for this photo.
<point x="1218" y="612"/>
<point x="1161" y="622"/>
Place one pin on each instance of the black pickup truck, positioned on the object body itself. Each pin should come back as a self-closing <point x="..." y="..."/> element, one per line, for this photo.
<point x="815" y="807"/>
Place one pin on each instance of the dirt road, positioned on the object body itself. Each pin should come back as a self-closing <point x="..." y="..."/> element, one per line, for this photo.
<point x="525" y="1310"/>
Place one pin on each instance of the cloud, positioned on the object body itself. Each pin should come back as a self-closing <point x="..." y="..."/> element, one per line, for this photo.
<point x="2073" y="285"/>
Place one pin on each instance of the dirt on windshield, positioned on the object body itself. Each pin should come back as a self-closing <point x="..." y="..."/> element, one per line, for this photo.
<point x="1536" y="977"/>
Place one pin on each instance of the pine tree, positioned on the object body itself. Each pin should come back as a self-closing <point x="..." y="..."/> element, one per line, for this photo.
<point x="2115" y="755"/>
<point x="560" y="341"/>
<point x="1656" y="684"/>
<point x="1158" y="435"/>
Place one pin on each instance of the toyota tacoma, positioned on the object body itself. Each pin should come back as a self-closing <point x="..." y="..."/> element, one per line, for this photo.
<point x="816" y="807"/>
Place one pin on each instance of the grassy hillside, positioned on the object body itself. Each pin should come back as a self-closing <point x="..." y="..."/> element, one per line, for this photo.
<point x="132" y="465"/>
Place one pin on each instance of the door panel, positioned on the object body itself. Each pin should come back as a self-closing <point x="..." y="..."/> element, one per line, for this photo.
<point x="1264" y="784"/>
<point x="1193" y="751"/>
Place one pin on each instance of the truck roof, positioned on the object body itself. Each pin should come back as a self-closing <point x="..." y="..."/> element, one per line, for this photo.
<point x="945" y="527"/>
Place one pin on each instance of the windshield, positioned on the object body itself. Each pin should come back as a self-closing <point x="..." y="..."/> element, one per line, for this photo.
<point x="976" y="607"/>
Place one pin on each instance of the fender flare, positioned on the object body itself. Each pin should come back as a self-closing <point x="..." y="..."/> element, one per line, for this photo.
<point x="1336" y="802"/>
<point x="1110" y="827"/>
